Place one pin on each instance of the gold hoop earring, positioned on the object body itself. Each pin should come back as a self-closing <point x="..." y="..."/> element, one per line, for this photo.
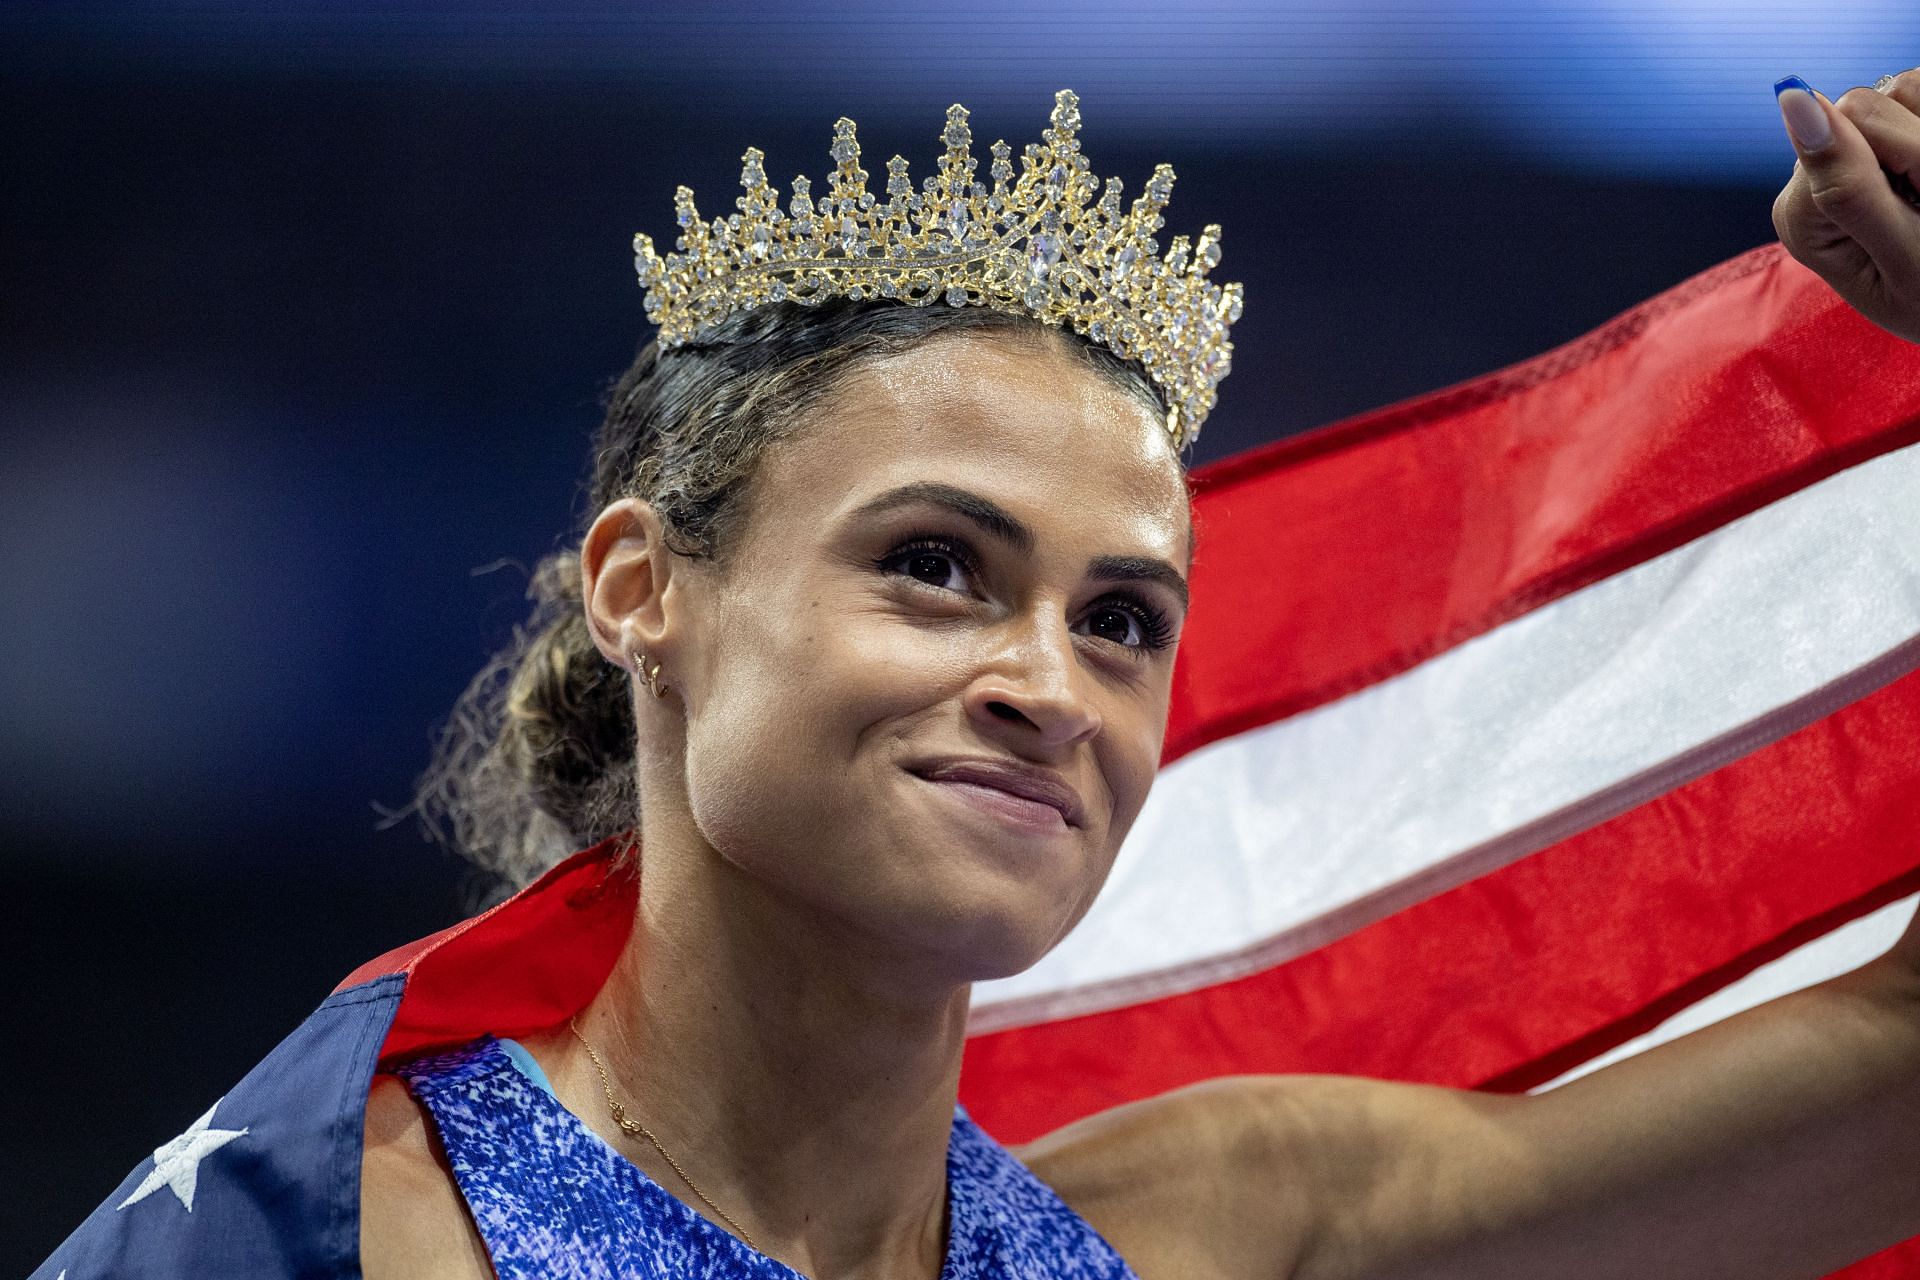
<point x="640" y="669"/>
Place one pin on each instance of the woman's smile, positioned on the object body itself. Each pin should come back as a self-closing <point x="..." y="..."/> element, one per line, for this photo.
<point x="1033" y="817"/>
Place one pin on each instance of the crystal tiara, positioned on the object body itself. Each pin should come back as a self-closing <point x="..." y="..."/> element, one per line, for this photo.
<point x="1039" y="244"/>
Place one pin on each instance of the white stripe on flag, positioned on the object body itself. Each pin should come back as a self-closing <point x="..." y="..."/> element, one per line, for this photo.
<point x="1846" y="948"/>
<point x="1277" y="841"/>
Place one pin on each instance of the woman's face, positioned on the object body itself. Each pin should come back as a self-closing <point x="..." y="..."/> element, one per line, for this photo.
<point x="972" y="557"/>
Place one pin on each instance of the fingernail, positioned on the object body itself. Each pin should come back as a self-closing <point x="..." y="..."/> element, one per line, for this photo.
<point x="1883" y="84"/>
<point x="1806" y="119"/>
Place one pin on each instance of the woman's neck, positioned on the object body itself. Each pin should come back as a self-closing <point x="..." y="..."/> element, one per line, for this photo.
<point x="803" y="1074"/>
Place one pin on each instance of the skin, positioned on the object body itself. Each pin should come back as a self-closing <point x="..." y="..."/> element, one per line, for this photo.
<point x="789" y="1015"/>
<point x="1840" y="216"/>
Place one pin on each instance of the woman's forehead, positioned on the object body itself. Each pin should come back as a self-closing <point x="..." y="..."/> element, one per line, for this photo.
<point x="1027" y="427"/>
<point x="999" y="377"/>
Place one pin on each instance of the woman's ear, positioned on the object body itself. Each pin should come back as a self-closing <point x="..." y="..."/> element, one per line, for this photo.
<point x="625" y="570"/>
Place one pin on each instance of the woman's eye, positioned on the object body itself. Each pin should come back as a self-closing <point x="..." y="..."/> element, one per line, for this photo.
<point x="932" y="567"/>
<point x="935" y="564"/>
<point x="1134" y="625"/>
<point x="1116" y="625"/>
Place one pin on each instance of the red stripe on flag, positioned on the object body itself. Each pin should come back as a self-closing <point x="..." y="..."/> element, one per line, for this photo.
<point x="1338" y="558"/>
<point x="1902" y="1262"/>
<point x="501" y="971"/>
<point x="1516" y="976"/>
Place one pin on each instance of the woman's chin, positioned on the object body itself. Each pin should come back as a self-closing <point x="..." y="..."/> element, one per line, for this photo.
<point x="1000" y="945"/>
<point x="994" y="925"/>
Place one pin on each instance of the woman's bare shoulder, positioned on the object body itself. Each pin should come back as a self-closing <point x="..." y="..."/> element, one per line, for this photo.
<point x="413" y="1221"/>
<point x="1183" y="1185"/>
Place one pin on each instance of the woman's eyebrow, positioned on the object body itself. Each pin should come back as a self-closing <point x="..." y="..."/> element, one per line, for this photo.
<point x="1139" y="569"/>
<point x="990" y="516"/>
<point x="998" y="522"/>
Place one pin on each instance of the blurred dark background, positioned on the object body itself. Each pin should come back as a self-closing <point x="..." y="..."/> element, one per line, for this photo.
<point x="308" y="309"/>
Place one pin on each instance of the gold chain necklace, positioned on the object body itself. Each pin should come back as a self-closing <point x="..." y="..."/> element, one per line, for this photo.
<point x="634" y="1128"/>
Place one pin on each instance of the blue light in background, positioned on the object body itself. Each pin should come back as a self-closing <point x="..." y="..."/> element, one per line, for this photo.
<point x="1673" y="89"/>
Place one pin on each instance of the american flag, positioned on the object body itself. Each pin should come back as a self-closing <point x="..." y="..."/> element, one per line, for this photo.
<point x="1520" y="726"/>
<point x="1515" y="729"/>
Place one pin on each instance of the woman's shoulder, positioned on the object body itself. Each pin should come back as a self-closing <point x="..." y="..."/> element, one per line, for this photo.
<point x="1183" y="1183"/>
<point x="413" y="1221"/>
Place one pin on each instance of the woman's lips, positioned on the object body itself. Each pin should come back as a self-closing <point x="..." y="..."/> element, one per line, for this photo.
<point x="1014" y="811"/>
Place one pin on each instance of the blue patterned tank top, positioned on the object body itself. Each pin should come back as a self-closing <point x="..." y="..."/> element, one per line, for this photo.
<point x="552" y="1199"/>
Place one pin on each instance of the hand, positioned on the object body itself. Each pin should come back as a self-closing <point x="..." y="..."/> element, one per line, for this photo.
<point x="1847" y="212"/>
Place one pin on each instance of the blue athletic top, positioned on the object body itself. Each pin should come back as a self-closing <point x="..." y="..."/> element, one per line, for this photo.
<point x="552" y="1199"/>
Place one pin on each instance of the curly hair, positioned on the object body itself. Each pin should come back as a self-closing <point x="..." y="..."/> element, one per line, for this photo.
<point x="536" y="759"/>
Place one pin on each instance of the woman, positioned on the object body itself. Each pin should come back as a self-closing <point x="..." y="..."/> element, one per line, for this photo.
<point x="900" y="589"/>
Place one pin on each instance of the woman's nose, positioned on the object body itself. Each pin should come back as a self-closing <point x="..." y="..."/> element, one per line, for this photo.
<point x="1038" y="685"/>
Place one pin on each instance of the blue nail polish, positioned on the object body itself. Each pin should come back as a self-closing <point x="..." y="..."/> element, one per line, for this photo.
<point x="1805" y="119"/>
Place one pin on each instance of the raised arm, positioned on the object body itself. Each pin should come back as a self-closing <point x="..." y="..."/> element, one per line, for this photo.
<point x="1784" y="1142"/>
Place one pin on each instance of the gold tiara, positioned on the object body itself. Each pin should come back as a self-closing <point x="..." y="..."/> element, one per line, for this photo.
<point x="1039" y="244"/>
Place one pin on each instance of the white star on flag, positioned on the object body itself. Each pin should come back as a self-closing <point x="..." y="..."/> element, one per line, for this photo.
<point x="176" y="1165"/>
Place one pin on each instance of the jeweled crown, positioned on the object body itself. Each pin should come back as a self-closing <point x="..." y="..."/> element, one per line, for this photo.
<point x="1039" y="244"/>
